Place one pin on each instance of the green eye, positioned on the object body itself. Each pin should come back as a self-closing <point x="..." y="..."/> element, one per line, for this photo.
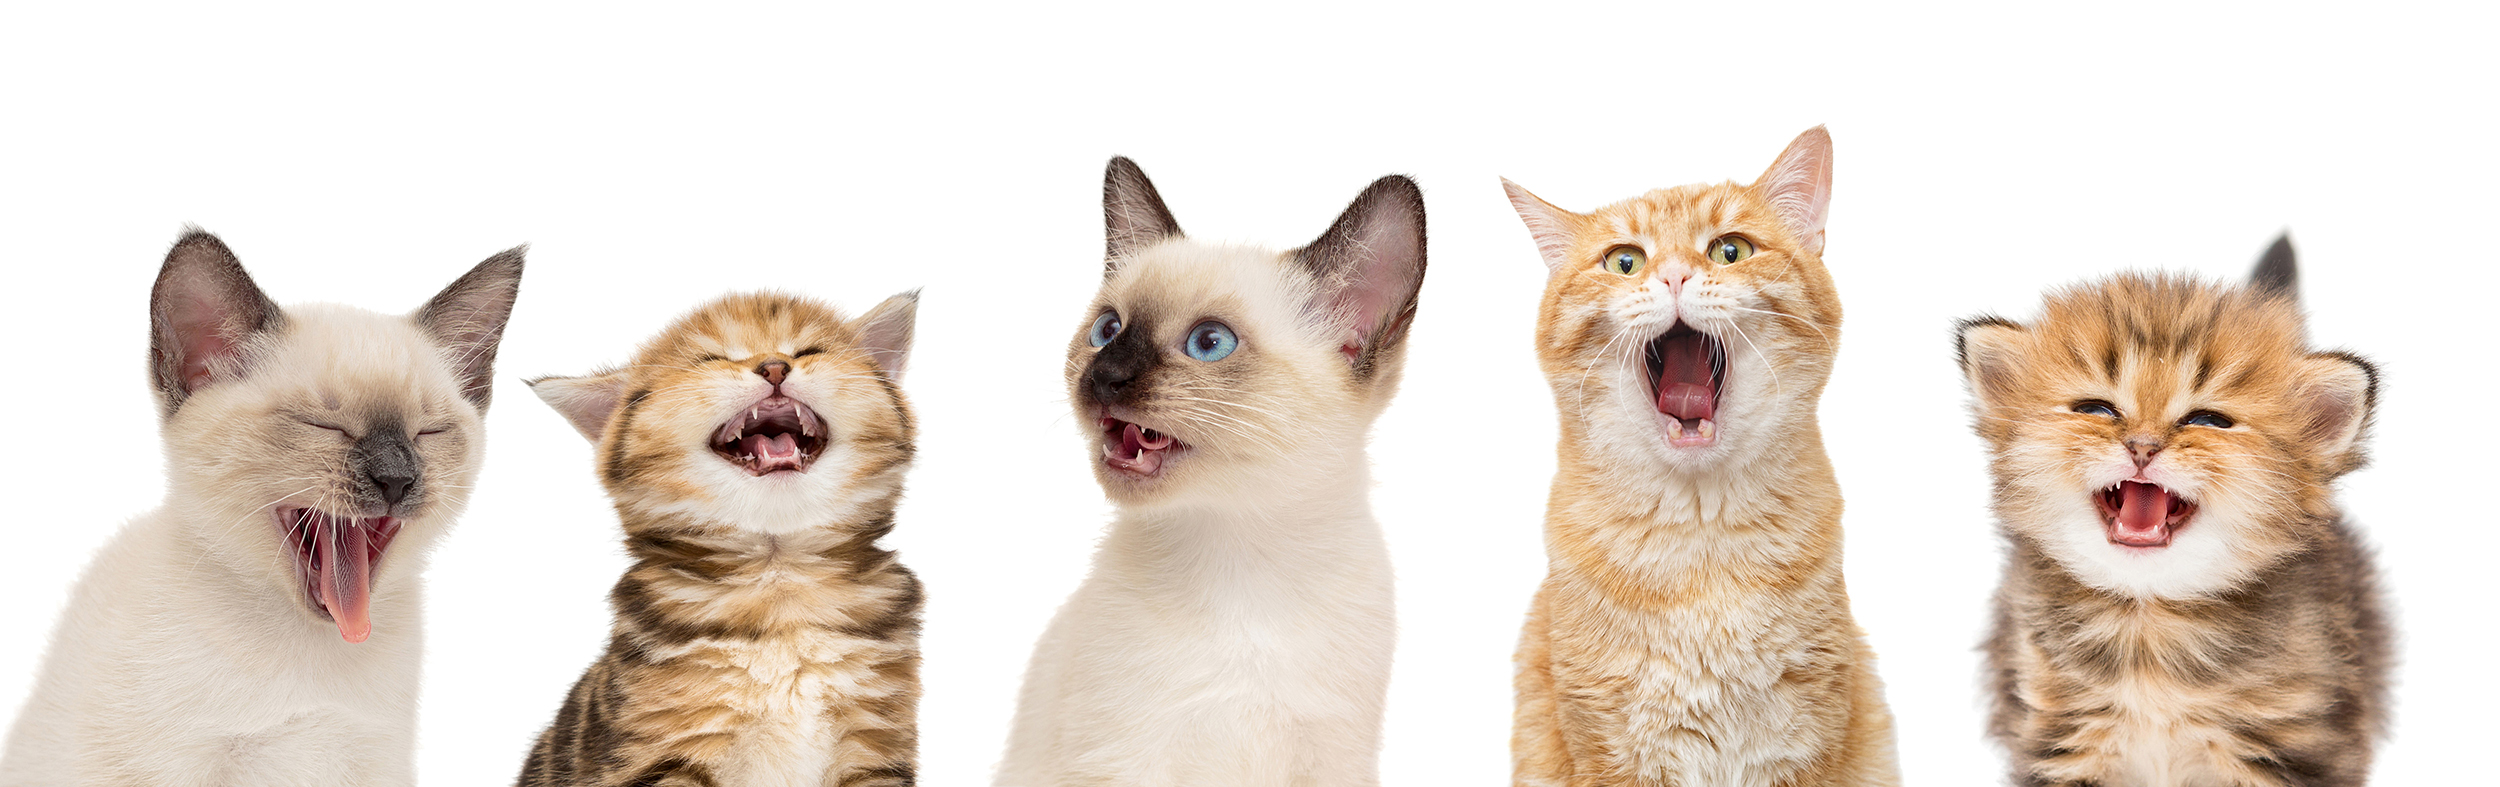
<point x="1727" y="250"/>
<point x="1626" y="260"/>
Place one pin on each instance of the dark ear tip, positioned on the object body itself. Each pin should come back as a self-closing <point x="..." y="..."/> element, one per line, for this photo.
<point x="1122" y="166"/>
<point x="196" y="239"/>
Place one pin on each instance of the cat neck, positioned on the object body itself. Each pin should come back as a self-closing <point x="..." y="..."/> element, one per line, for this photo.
<point x="1790" y="481"/>
<point x="681" y="540"/>
<point x="1312" y="506"/>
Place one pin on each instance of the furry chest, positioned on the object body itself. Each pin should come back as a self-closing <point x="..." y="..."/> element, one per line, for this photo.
<point x="1709" y="699"/>
<point x="779" y="701"/>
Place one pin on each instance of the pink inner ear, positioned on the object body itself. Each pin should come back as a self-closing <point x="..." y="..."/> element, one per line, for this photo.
<point x="196" y="332"/>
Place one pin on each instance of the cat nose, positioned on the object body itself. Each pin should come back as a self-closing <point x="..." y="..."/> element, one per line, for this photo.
<point x="2143" y="448"/>
<point x="773" y="371"/>
<point x="1109" y="380"/>
<point x="393" y="483"/>
<point x="1675" y="276"/>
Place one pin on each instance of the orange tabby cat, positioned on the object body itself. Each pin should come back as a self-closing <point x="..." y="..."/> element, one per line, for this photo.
<point x="1693" y="628"/>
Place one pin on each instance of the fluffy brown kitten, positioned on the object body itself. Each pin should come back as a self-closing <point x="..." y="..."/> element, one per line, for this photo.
<point x="1693" y="627"/>
<point x="2185" y="605"/>
<point x="755" y="451"/>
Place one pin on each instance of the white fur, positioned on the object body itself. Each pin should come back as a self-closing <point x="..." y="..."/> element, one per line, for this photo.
<point x="188" y="654"/>
<point x="1238" y="624"/>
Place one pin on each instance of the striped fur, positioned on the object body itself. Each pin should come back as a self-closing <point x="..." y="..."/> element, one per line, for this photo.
<point x="761" y="637"/>
<point x="2250" y="650"/>
<point x="1694" y="628"/>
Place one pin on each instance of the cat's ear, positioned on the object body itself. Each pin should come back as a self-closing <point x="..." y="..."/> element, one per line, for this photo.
<point x="2337" y="393"/>
<point x="1549" y="225"/>
<point x="202" y="316"/>
<point x="2278" y="272"/>
<point x="1133" y="215"/>
<point x="1988" y="348"/>
<point x="885" y="332"/>
<point x="1799" y="186"/>
<point x="467" y="320"/>
<point x="1369" y="266"/>
<point x="585" y="402"/>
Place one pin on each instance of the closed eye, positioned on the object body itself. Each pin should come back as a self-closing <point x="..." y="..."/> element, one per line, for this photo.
<point x="807" y="352"/>
<point x="320" y="425"/>
<point x="2094" y="407"/>
<point x="2207" y="418"/>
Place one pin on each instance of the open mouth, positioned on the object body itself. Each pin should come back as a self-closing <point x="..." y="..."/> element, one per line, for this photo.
<point x="334" y="556"/>
<point x="774" y="435"/>
<point x="1136" y="450"/>
<point x="2142" y="514"/>
<point x="1686" y="369"/>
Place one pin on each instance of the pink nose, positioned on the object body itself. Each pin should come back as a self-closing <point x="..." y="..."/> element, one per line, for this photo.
<point x="1675" y="276"/>
<point x="773" y="371"/>
<point x="2143" y="448"/>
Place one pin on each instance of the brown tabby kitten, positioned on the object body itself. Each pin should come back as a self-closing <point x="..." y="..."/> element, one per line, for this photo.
<point x="1694" y="628"/>
<point x="755" y="451"/>
<point x="2184" y="604"/>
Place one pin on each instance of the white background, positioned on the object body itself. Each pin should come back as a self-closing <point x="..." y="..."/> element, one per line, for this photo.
<point x="656" y="156"/>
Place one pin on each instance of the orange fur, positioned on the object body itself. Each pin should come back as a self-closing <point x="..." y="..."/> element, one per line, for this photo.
<point x="1694" y="627"/>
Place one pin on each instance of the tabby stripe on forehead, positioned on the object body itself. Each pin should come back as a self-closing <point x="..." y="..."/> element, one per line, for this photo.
<point x="674" y="771"/>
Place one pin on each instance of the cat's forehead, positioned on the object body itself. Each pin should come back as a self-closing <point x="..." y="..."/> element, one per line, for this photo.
<point x="746" y="326"/>
<point x="355" y="362"/>
<point x="1182" y="281"/>
<point x="2165" y="338"/>
<point x="1680" y="215"/>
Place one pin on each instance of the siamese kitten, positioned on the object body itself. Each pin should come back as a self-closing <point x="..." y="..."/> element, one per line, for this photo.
<point x="262" y="627"/>
<point x="1237" y="626"/>
<point x="2184" y="603"/>
<point x="754" y="451"/>
<point x="1693" y="627"/>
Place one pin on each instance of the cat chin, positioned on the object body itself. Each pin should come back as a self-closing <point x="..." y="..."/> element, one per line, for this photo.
<point x="2198" y="562"/>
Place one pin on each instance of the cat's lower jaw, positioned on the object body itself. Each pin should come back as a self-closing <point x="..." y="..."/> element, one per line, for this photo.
<point x="1135" y="452"/>
<point x="334" y="560"/>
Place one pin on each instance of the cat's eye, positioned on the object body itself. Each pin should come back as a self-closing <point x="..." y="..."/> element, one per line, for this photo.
<point x="807" y="352"/>
<point x="2095" y="407"/>
<point x="1729" y="249"/>
<point x="323" y="426"/>
<point x="434" y="431"/>
<point x="1210" y="341"/>
<point x="1105" y="327"/>
<point x="2207" y="418"/>
<point x="1626" y="260"/>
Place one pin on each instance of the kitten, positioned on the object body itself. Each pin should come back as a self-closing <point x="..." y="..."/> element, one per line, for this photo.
<point x="1693" y="627"/>
<point x="1237" y="626"/>
<point x="262" y="627"/>
<point x="755" y="452"/>
<point x="2184" y="603"/>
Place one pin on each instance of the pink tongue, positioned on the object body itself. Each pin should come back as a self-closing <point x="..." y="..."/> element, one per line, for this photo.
<point x="346" y="577"/>
<point x="780" y="446"/>
<point x="2142" y="508"/>
<point x="1684" y="387"/>
<point x="1134" y="437"/>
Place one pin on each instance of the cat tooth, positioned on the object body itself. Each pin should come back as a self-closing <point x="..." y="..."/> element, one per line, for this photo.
<point x="1675" y="428"/>
<point x="1709" y="429"/>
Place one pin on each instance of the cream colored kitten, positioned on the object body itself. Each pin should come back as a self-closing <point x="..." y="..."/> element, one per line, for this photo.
<point x="262" y="627"/>
<point x="1237" y="626"/>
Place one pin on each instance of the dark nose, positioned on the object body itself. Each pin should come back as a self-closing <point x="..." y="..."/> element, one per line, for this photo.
<point x="393" y="483"/>
<point x="773" y="371"/>
<point x="2144" y="448"/>
<point x="1109" y="380"/>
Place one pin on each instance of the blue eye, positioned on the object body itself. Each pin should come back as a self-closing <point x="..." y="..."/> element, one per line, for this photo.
<point x="1210" y="342"/>
<point x="2095" y="407"/>
<point x="1105" y="327"/>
